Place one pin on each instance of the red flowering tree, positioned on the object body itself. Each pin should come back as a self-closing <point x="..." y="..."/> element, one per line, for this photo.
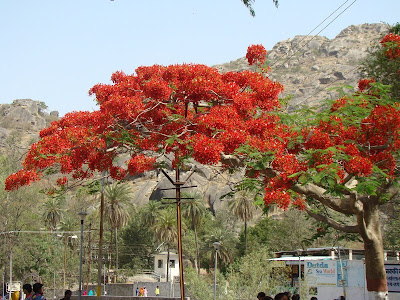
<point x="383" y="62"/>
<point x="189" y="110"/>
<point x="342" y="161"/>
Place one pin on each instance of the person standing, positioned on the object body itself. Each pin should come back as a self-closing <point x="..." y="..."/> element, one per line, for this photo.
<point x="144" y="292"/>
<point x="281" y="296"/>
<point x="141" y="292"/>
<point x="27" y="289"/>
<point x="157" y="291"/>
<point x="137" y="291"/>
<point x="38" y="292"/>
<point x="67" y="295"/>
<point x="261" y="296"/>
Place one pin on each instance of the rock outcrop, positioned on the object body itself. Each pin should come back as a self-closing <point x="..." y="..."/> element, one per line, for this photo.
<point x="26" y="117"/>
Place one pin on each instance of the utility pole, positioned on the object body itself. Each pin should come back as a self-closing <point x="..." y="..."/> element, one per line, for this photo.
<point x="178" y="185"/>
<point x="89" y="258"/>
<point x="103" y="174"/>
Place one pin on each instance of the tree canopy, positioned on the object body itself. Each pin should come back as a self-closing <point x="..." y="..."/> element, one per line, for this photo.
<point x="188" y="110"/>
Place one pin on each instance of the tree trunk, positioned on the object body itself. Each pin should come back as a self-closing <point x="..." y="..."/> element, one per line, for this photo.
<point x="197" y="249"/>
<point x="116" y="254"/>
<point x="374" y="254"/>
<point x="245" y="228"/>
<point x="65" y="259"/>
<point x="110" y="250"/>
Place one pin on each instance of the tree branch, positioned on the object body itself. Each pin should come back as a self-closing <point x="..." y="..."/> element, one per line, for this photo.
<point x="333" y="223"/>
<point x="341" y="205"/>
<point x="388" y="188"/>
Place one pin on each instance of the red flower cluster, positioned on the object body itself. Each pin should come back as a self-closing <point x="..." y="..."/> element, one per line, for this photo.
<point x="256" y="54"/>
<point x="140" y="164"/>
<point x="21" y="178"/>
<point x="317" y="138"/>
<point x="206" y="150"/>
<point x="299" y="203"/>
<point x="364" y="84"/>
<point x="279" y="197"/>
<point x="359" y="166"/>
<point x="117" y="173"/>
<point x="385" y="161"/>
<point x="391" y="43"/>
<point x="339" y="103"/>
<point x="62" y="181"/>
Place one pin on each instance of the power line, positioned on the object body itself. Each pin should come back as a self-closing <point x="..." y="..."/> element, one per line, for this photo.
<point x="302" y="47"/>
<point x="280" y="58"/>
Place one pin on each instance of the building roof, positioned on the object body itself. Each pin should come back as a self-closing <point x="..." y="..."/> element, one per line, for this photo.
<point x="326" y="252"/>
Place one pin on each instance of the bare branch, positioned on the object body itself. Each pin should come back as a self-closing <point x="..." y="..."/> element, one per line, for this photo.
<point x="341" y="205"/>
<point x="388" y="188"/>
<point x="348" y="178"/>
<point x="333" y="223"/>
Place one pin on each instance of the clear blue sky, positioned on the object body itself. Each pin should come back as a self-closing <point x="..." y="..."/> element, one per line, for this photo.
<point x="55" y="51"/>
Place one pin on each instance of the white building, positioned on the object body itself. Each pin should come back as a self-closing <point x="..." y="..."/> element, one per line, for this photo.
<point x="328" y="273"/>
<point x="160" y="265"/>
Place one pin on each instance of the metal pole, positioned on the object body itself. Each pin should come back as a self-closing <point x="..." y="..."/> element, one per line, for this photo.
<point x="80" y="263"/>
<point x="54" y="285"/>
<point x="179" y="221"/>
<point x="89" y="257"/>
<point x="215" y="273"/>
<point x="10" y="273"/>
<point x="99" y="261"/>
<point x="299" y="276"/>
<point x="65" y="258"/>
<point x="342" y="271"/>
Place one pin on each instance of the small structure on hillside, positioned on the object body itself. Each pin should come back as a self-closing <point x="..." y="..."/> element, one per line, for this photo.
<point x="160" y="266"/>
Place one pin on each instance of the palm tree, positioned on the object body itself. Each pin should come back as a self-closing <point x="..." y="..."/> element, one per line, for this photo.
<point x="166" y="230"/>
<point x="243" y="207"/>
<point x="52" y="213"/>
<point x="68" y="224"/>
<point x="117" y="210"/>
<point x="150" y="212"/>
<point x="194" y="210"/>
<point x="225" y="250"/>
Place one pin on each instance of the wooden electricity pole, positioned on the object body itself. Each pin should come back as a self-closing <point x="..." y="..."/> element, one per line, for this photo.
<point x="178" y="185"/>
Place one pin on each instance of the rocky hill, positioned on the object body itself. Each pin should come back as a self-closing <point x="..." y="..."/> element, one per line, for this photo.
<point x="26" y="117"/>
<point x="307" y="66"/>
